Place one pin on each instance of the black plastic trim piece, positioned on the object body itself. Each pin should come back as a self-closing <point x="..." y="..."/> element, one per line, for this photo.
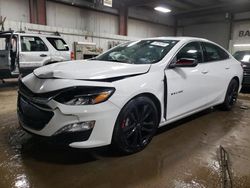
<point x="32" y="116"/>
<point x="63" y="139"/>
<point x="165" y="96"/>
<point x="112" y="79"/>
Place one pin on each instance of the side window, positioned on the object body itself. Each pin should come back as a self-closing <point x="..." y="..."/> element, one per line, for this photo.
<point x="58" y="43"/>
<point x="191" y="51"/>
<point x="213" y="53"/>
<point x="32" y="44"/>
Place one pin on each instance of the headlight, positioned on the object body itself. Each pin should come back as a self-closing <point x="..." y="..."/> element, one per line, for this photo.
<point x="84" y="95"/>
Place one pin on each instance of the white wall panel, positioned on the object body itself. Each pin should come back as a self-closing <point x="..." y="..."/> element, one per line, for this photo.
<point x="17" y="10"/>
<point x="144" y="29"/>
<point x="60" y="15"/>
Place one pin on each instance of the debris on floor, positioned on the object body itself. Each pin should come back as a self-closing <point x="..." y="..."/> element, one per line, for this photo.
<point x="225" y="169"/>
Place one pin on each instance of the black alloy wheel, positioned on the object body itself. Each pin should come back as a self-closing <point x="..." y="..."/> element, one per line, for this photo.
<point x="231" y="96"/>
<point x="136" y="125"/>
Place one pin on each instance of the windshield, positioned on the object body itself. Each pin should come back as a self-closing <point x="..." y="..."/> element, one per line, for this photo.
<point x="243" y="56"/>
<point x="139" y="52"/>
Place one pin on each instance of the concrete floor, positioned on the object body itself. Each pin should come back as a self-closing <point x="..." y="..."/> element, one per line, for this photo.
<point x="185" y="154"/>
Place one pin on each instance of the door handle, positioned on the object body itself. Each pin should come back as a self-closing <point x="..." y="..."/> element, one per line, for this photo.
<point x="43" y="55"/>
<point x="227" y="68"/>
<point x="204" y="72"/>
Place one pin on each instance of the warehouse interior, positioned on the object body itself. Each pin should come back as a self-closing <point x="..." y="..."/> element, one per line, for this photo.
<point x="208" y="149"/>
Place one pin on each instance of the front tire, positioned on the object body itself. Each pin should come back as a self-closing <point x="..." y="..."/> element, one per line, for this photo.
<point x="135" y="125"/>
<point x="231" y="96"/>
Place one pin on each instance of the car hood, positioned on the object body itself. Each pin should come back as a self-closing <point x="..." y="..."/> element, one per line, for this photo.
<point x="90" y="70"/>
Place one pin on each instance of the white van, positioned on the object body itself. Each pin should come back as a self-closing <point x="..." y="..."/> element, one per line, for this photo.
<point x="21" y="53"/>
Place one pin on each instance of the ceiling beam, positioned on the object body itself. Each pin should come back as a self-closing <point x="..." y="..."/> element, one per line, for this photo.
<point x="232" y="7"/>
<point x="190" y="3"/>
<point x="134" y="3"/>
<point x="88" y="5"/>
<point x="178" y="4"/>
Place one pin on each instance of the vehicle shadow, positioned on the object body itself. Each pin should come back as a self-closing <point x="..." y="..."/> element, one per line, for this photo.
<point x="245" y="90"/>
<point x="33" y="147"/>
<point x="9" y="83"/>
<point x="40" y="150"/>
<point x="185" y="120"/>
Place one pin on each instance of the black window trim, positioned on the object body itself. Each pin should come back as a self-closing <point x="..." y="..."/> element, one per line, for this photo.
<point x="204" y="50"/>
<point x="201" y="45"/>
<point x="180" y="48"/>
<point x="21" y="36"/>
<point x="58" y="38"/>
<point x="183" y="46"/>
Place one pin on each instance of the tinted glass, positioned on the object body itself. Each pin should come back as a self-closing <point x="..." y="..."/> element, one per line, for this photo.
<point x="32" y="44"/>
<point x="243" y="56"/>
<point x="190" y="51"/>
<point x="58" y="43"/>
<point x="213" y="53"/>
<point x="139" y="52"/>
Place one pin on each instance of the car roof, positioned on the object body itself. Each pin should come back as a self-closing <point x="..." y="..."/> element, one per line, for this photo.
<point x="182" y="38"/>
<point x="37" y="34"/>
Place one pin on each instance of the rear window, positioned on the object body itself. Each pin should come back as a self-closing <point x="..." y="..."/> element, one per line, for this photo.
<point x="214" y="53"/>
<point x="58" y="43"/>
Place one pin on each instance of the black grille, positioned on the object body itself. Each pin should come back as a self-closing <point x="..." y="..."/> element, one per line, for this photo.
<point x="32" y="116"/>
<point x="247" y="71"/>
<point x="28" y="93"/>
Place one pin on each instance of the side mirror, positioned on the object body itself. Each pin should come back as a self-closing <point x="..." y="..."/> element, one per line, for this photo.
<point x="184" y="62"/>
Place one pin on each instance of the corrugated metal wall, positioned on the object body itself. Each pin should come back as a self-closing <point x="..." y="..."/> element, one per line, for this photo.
<point x="145" y="29"/>
<point x="217" y="32"/>
<point x="61" y="15"/>
<point x="213" y="27"/>
<point x="79" y="24"/>
<point x="16" y="10"/>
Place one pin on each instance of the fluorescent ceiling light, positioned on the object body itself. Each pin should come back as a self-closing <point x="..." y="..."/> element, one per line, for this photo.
<point x="241" y="45"/>
<point x="162" y="9"/>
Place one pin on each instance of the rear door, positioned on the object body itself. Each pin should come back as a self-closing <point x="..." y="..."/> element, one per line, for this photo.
<point x="61" y="50"/>
<point x="217" y="69"/>
<point x="34" y="53"/>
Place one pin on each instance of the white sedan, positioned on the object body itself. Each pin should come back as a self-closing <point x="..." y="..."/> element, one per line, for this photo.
<point x="122" y="96"/>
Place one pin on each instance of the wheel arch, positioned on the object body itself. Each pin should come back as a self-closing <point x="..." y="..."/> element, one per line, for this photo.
<point x="155" y="100"/>
<point x="237" y="79"/>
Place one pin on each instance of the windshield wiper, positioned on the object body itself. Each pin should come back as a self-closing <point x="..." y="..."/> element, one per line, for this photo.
<point x="118" y="61"/>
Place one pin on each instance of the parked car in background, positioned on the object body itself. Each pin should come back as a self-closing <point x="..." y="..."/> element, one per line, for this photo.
<point x="122" y="96"/>
<point x="23" y="52"/>
<point x="244" y="58"/>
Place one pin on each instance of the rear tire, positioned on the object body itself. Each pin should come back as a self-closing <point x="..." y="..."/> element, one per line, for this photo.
<point x="231" y="96"/>
<point x="135" y="126"/>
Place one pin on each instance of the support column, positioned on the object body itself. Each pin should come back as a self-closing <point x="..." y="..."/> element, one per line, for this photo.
<point x="37" y="11"/>
<point x="123" y="20"/>
<point x="32" y="11"/>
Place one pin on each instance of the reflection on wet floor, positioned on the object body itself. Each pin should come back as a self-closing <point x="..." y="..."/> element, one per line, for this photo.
<point x="184" y="154"/>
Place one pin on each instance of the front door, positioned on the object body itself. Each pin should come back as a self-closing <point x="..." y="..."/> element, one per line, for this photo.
<point x="185" y="85"/>
<point x="34" y="53"/>
<point x="9" y="64"/>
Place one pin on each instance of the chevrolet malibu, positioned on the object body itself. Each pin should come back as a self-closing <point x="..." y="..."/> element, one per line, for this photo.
<point x="122" y="96"/>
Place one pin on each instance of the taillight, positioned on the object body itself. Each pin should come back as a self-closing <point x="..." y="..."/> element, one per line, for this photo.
<point x="72" y="56"/>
